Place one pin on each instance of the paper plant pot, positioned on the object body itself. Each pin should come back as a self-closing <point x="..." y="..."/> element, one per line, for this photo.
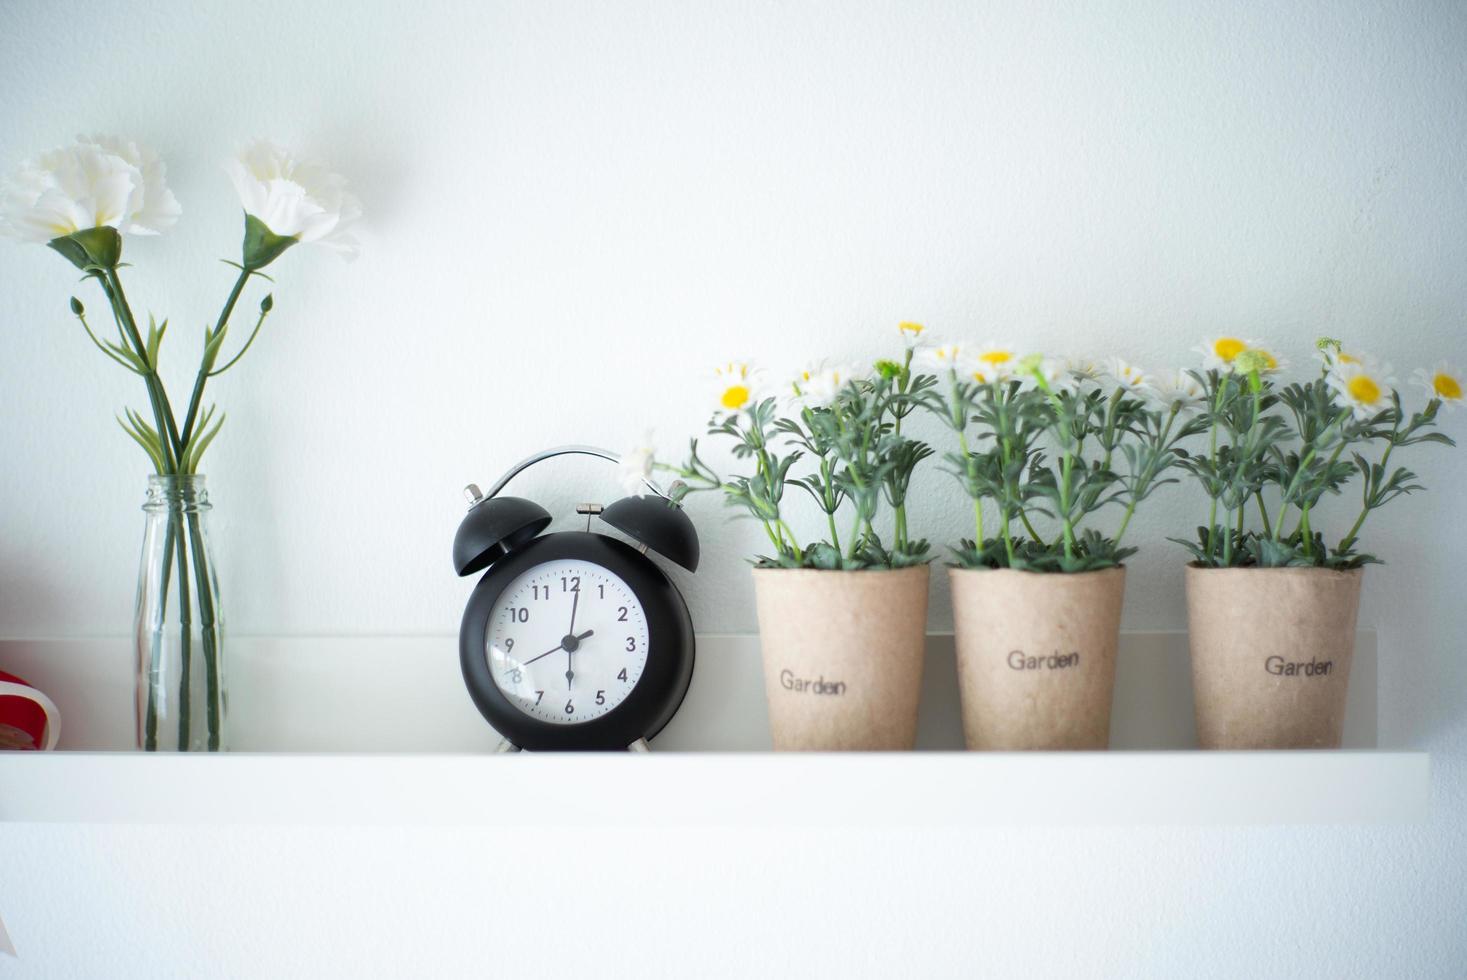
<point x="843" y="656"/>
<point x="1036" y="656"/>
<point x="1271" y="652"/>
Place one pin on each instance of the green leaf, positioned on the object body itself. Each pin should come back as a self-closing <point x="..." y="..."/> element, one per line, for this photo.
<point x="90" y="248"/>
<point x="235" y="265"/>
<point x="155" y="339"/>
<point x="195" y="453"/>
<point x="149" y="442"/>
<point x="127" y="355"/>
<point x="261" y="245"/>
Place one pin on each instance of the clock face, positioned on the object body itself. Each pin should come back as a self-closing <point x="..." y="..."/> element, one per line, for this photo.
<point x="567" y="641"/>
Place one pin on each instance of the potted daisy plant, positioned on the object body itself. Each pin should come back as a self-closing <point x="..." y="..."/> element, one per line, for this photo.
<point x="1271" y="597"/>
<point x="1046" y="450"/>
<point x="842" y="596"/>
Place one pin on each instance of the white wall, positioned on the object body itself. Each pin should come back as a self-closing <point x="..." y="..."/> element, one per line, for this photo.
<point x="574" y="209"/>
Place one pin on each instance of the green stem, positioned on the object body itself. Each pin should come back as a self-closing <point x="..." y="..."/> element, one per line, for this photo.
<point x="1227" y="550"/>
<point x="207" y="625"/>
<point x="85" y="326"/>
<point x="1293" y="488"/>
<point x="1125" y="521"/>
<point x="185" y="637"/>
<point x="1348" y="541"/>
<point x="207" y="365"/>
<point x="162" y="411"/>
<point x="1263" y="513"/>
<point x="1066" y="468"/>
<point x="150" y="719"/>
<point x="1217" y="401"/>
<point x="972" y="477"/>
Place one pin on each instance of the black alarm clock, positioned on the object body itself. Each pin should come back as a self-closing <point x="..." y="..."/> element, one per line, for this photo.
<point x="575" y="640"/>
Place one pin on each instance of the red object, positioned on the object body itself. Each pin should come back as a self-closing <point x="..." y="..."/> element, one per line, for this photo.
<point x="28" y="719"/>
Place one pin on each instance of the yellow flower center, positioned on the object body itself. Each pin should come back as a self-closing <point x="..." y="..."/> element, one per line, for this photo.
<point x="1228" y="348"/>
<point x="1447" y="386"/>
<point x="1363" y="389"/>
<point x="735" y="396"/>
<point x="1344" y="358"/>
<point x="912" y="328"/>
<point x="1270" y="363"/>
<point x="996" y="357"/>
<point x="980" y="377"/>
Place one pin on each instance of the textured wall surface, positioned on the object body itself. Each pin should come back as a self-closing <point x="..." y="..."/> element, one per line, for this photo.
<point x="573" y="210"/>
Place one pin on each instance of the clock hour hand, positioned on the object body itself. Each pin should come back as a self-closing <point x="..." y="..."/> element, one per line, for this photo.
<point x="570" y="643"/>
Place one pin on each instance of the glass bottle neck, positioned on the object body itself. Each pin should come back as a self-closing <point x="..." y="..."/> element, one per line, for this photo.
<point x="170" y="493"/>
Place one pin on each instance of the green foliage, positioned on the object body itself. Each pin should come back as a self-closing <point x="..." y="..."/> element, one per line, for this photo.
<point x="1048" y="452"/>
<point x="847" y="454"/>
<point x="1286" y="446"/>
<point x="97" y="252"/>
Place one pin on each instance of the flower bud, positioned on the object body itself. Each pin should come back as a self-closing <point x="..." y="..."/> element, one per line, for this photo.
<point x="888" y="369"/>
<point x="1251" y="362"/>
<point x="76" y="308"/>
<point x="267" y="304"/>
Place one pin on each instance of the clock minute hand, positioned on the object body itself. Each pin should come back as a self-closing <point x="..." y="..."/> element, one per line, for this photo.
<point x="558" y="647"/>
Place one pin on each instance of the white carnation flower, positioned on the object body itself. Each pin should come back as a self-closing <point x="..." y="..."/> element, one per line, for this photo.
<point x="294" y="197"/>
<point x="98" y="181"/>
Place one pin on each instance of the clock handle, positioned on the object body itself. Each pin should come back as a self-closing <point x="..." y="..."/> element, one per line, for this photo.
<point x="543" y="455"/>
<point x="640" y="745"/>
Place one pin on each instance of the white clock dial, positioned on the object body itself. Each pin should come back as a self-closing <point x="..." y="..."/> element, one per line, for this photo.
<point x="567" y="641"/>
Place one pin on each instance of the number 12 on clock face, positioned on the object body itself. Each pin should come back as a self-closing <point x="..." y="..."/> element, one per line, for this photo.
<point x="567" y="641"/>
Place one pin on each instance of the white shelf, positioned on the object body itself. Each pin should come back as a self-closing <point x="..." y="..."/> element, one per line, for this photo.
<point x="743" y="790"/>
<point x="304" y="710"/>
<point x="405" y="694"/>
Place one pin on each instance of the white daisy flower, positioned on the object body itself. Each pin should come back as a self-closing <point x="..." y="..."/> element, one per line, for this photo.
<point x="942" y="359"/>
<point x="736" y="385"/>
<point x="1085" y="369"/>
<point x="1442" y="382"/>
<point x="997" y="361"/>
<point x="819" y="386"/>
<point x="1177" y="389"/>
<point x="1218" y="352"/>
<point x="1127" y="375"/>
<point x="1365" y="392"/>
<point x="636" y="466"/>
<point x="1054" y="372"/>
<point x="1334" y="355"/>
<point x="911" y="333"/>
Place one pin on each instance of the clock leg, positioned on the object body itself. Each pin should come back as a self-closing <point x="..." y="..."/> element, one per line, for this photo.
<point x="505" y="745"/>
<point x="640" y="745"/>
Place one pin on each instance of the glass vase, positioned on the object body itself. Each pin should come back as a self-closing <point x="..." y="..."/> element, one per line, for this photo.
<point x="181" y="700"/>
